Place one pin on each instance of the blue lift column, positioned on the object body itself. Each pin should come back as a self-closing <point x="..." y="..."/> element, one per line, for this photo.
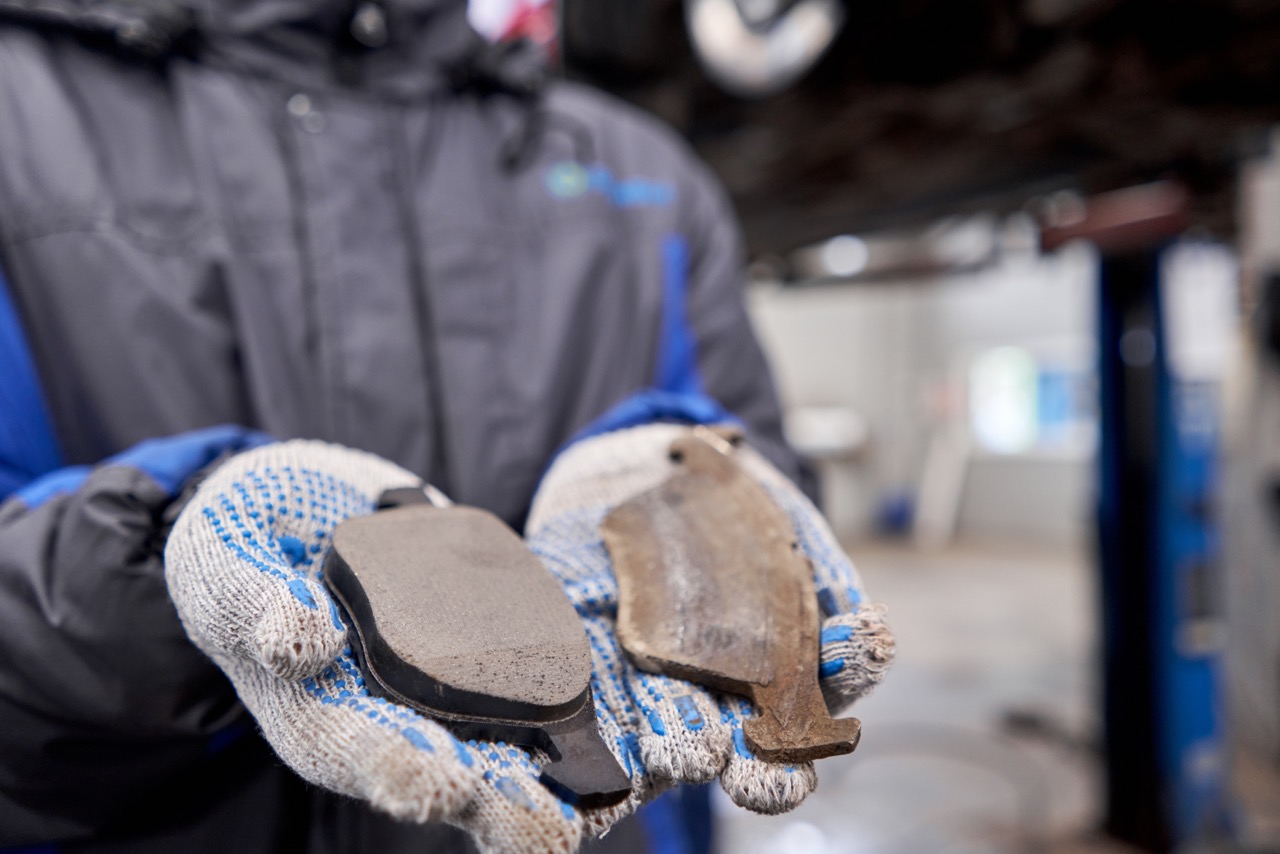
<point x="1156" y="537"/>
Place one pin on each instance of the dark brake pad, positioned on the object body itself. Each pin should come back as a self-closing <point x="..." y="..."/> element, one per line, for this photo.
<point x="712" y="588"/>
<point x="451" y="615"/>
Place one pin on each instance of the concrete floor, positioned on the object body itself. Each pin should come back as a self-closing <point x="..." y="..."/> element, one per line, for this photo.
<point x="984" y="630"/>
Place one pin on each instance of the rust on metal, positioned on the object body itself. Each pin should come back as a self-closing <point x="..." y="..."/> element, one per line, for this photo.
<point x="714" y="589"/>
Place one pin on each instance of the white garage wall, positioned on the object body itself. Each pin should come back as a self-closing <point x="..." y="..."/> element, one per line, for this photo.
<point x="886" y="350"/>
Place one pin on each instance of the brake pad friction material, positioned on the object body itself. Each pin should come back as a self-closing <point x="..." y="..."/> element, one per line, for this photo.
<point x="451" y="615"/>
<point x="713" y="589"/>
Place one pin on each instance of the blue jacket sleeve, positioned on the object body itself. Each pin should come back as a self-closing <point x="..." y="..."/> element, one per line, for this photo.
<point x="710" y="367"/>
<point x="28" y="447"/>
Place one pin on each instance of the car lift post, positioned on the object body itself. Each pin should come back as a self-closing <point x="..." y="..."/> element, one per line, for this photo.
<point x="1156" y="540"/>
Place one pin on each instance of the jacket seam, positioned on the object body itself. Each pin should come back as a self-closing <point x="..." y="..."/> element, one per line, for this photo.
<point x="57" y="226"/>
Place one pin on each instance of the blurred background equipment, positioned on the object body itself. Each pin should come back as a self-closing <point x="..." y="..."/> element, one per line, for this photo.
<point x="754" y="48"/>
<point x="1164" y="317"/>
<point x="918" y="110"/>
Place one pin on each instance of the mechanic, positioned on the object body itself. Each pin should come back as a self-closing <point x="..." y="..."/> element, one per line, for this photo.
<point x="311" y="218"/>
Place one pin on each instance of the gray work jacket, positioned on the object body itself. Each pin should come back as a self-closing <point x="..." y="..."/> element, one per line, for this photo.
<point x="237" y="212"/>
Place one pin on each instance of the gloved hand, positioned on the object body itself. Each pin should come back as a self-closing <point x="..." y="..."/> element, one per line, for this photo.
<point x="674" y="731"/>
<point x="243" y="569"/>
<point x="243" y="566"/>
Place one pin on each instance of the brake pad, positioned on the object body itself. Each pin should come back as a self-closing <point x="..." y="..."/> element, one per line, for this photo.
<point x="450" y="614"/>
<point x="713" y="588"/>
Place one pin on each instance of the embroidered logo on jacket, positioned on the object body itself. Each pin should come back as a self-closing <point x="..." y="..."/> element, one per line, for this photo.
<point x="569" y="180"/>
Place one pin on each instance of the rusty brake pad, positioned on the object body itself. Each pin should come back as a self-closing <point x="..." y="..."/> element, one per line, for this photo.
<point x="712" y="588"/>
<point x="451" y="615"/>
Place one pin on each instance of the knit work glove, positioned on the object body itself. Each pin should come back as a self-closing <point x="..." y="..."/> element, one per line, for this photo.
<point x="665" y="730"/>
<point x="243" y="564"/>
<point x="243" y="568"/>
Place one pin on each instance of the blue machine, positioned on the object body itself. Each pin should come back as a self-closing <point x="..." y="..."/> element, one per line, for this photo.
<point x="1159" y="561"/>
